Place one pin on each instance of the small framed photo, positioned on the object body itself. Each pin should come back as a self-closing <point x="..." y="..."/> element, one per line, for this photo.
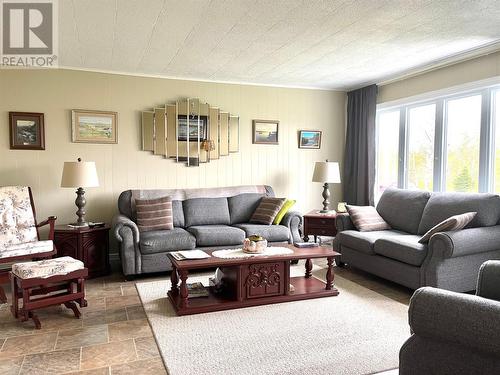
<point x="310" y="139"/>
<point x="265" y="132"/>
<point x="94" y="126"/>
<point x="27" y="131"/>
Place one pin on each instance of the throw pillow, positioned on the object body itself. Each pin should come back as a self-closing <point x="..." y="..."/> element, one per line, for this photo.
<point x="366" y="218"/>
<point x="455" y="222"/>
<point x="267" y="210"/>
<point x="154" y="214"/>
<point x="286" y="207"/>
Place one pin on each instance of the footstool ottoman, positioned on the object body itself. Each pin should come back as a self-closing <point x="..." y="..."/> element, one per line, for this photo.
<point x="46" y="283"/>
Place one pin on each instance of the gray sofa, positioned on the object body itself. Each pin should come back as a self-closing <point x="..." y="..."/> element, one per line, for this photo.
<point x="203" y="219"/>
<point x="449" y="261"/>
<point x="455" y="333"/>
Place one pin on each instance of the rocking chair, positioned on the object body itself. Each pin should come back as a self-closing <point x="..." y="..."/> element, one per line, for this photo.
<point x="19" y="236"/>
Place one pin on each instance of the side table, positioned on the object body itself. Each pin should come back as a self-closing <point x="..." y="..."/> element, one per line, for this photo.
<point x="90" y="245"/>
<point x="319" y="224"/>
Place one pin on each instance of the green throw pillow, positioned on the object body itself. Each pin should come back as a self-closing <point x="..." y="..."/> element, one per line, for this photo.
<point x="286" y="207"/>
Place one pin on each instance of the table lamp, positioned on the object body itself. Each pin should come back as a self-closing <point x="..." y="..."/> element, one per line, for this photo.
<point x="326" y="172"/>
<point x="79" y="174"/>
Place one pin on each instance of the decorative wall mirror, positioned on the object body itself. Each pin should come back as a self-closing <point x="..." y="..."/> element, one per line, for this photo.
<point x="190" y="132"/>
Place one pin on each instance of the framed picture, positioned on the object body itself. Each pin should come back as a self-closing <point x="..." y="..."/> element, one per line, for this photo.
<point x="193" y="128"/>
<point x="310" y="139"/>
<point x="27" y="131"/>
<point x="265" y="132"/>
<point x="94" y="126"/>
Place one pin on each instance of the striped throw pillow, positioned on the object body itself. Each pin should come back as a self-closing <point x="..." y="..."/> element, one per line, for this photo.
<point x="455" y="222"/>
<point x="366" y="218"/>
<point x="267" y="210"/>
<point x="154" y="214"/>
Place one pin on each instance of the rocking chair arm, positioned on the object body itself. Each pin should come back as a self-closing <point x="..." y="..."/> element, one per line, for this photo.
<point x="51" y="220"/>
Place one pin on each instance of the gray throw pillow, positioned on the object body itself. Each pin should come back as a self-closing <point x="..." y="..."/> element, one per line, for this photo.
<point x="267" y="210"/>
<point x="455" y="222"/>
<point x="366" y="218"/>
<point x="154" y="214"/>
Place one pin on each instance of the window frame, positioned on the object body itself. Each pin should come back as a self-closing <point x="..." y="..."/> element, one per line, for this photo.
<point x="486" y="141"/>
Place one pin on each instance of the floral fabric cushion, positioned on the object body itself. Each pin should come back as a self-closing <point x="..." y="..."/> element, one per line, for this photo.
<point x="17" y="224"/>
<point x="46" y="268"/>
<point x="28" y="248"/>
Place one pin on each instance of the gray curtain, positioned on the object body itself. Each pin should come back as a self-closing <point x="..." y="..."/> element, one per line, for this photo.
<point x="359" y="158"/>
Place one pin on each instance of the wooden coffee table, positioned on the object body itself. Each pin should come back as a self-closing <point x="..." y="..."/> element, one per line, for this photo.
<point x="252" y="281"/>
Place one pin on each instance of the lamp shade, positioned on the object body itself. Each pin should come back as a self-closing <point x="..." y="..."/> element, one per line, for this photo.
<point x="79" y="174"/>
<point x="326" y="171"/>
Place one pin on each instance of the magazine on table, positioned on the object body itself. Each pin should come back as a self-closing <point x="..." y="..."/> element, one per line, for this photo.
<point x="189" y="254"/>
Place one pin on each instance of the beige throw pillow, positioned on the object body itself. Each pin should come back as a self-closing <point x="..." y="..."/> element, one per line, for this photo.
<point x="267" y="210"/>
<point x="154" y="214"/>
<point x="366" y="218"/>
<point x="456" y="222"/>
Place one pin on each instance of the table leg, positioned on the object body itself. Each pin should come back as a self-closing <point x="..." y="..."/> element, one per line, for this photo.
<point x="184" y="291"/>
<point x="329" y="274"/>
<point x="174" y="279"/>
<point x="309" y="267"/>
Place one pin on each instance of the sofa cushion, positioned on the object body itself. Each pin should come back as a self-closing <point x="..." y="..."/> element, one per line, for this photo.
<point x="404" y="248"/>
<point x="206" y="211"/>
<point x="267" y="210"/>
<point x="178" y="213"/>
<point x="159" y="241"/>
<point x="154" y="214"/>
<point x="455" y="222"/>
<point x="242" y="207"/>
<point x="364" y="241"/>
<point x="443" y="205"/>
<point x="217" y="235"/>
<point x="272" y="233"/>
<point x="402" y="209"/>
<point x="366" y="218"/>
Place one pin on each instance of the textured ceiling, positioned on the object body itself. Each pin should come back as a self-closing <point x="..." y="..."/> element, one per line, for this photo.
<point x="334" y="44"/>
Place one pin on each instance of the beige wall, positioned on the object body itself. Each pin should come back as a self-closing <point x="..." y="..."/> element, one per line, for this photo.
<point x="124" y="165"/>
<point x="468" y="71"/>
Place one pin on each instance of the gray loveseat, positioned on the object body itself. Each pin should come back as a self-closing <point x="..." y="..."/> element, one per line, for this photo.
<point x="203" y="219"/>
<point x="455" y="333"/>
<point x="450" y="260"/>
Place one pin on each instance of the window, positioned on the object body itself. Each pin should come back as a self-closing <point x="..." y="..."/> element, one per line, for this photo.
<point x="444" y="143"/>
<point x="387" y="151"/>
<point x="496" y="123"/>
<point x="463" y="136"/>
<point x="421" y="122"/>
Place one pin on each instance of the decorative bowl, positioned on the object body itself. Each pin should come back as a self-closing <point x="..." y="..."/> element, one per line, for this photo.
<point x="254" y="245"/>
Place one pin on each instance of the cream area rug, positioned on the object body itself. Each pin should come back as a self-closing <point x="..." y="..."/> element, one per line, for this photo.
<point x="357" y="332"/>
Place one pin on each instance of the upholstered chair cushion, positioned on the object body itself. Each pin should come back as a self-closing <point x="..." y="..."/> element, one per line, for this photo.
<point x="46" y="268"/>
<point x="17" y="223"/>
<point x="28" y="248"/>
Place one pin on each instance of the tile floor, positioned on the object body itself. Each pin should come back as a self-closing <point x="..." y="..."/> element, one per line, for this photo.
<point x="113" y="336"/>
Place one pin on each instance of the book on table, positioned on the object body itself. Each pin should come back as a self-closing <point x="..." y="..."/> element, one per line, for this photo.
<point x="196" y="290"/>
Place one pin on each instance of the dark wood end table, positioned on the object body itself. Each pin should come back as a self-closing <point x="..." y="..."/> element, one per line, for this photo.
<point x="319" y="224"/>
<point x="90" y="245"/>
<point x="252" y="281"/>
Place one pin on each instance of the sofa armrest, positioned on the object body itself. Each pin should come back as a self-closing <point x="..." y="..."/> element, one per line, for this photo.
<point x="343" y="222"/>
<point x="458" y="318"/>
<point x="466" y="241"/>
<point x="121" y="221"/>
<point x="488" y="281"/>
<point x="293" y="220"/>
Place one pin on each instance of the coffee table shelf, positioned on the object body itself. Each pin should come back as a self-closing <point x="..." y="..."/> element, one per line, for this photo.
<point x="253" y="281"/>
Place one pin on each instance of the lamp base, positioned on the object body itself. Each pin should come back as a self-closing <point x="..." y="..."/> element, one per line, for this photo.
<point x="82" y="224"/>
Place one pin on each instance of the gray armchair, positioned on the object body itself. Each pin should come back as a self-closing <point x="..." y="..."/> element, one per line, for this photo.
<point x="454" y="333"/>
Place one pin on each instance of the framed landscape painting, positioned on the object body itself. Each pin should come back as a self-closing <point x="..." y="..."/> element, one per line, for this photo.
<point x="27" y="131"/>
<point x="94" y="126"/>
<point x="265" y="132"/>
<point x="310" y="139"/>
